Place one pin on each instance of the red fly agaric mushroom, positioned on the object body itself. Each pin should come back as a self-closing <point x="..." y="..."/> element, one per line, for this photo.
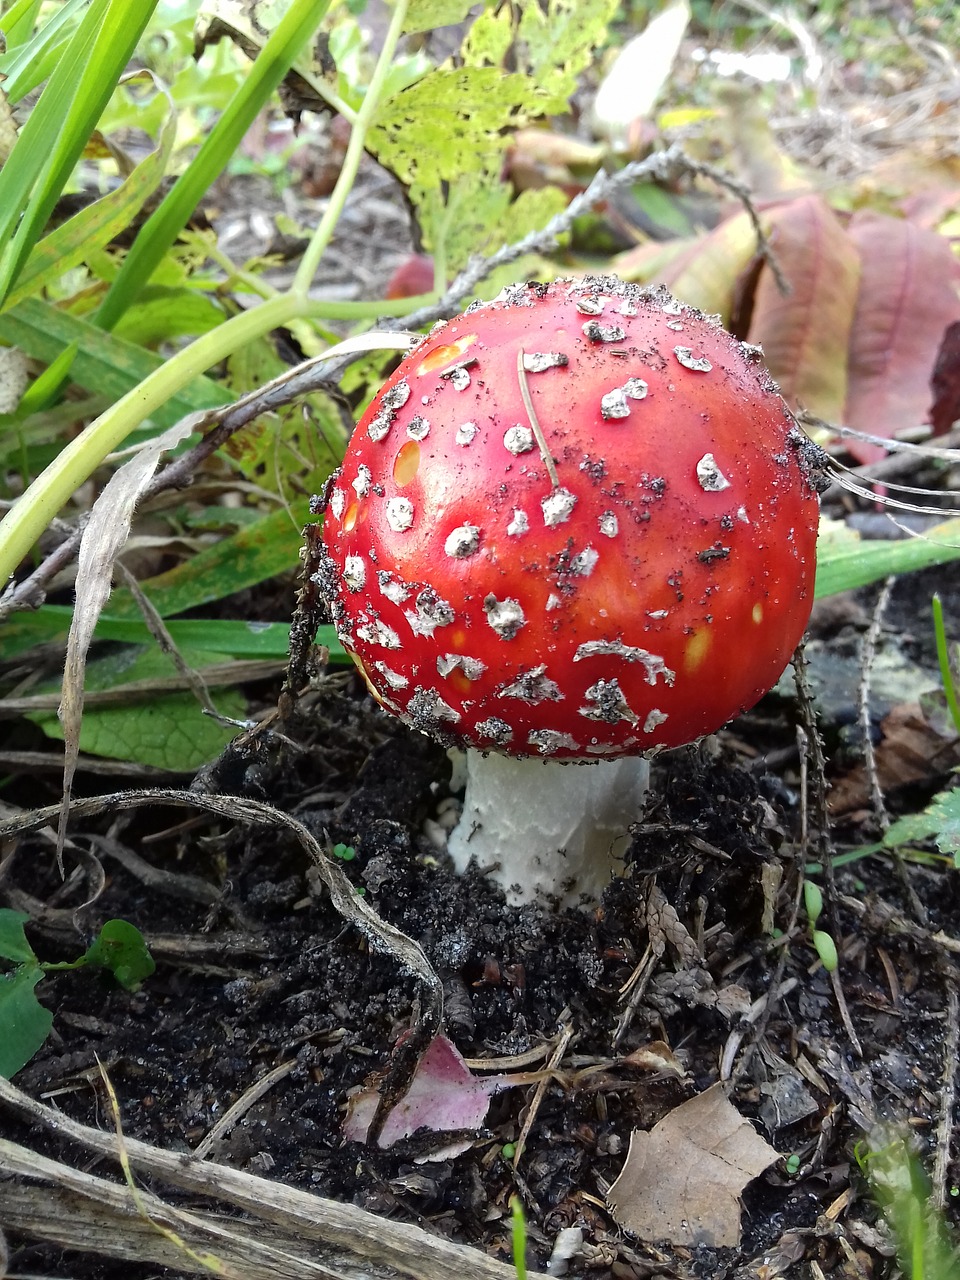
<point x="576" y="524"/>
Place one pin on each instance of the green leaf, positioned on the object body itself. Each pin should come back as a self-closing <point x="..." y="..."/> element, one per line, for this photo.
<point x="826" y="949"/>
<point x="13" y="941"/>
<point x="120" y="947"/>
<point x="104" y="364"/>
<point x="424" y="15"/>
<point x="450" y="124"/>
<point x="940" y="820"/>
<point x="30" y="56"/>
<point x="556" y="42"/>
<point x="264" y="549"/>
<point x="163" y="313"/>
<point x="170" y="731"/>
<point x="812" y="900"/>
<point x="228" y="638"/>
<point x="847" y="563"/>
<point x="24" y="1022"/>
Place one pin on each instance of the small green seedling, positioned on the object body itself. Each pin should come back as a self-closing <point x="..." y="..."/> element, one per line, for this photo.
<point x="519" y="1238"/>
<point x="24" y="1022"/>
<point x="825" y="946"/>
<point x="792" y="1164"/>
<point x="345" y="852"/>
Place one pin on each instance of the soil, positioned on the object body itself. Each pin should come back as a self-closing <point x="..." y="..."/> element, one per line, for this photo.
<point x="256" y="969"/>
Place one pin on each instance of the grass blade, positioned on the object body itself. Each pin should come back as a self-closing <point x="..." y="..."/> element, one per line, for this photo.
<point x="289" y="38"/>
<point x="52" y="140"/>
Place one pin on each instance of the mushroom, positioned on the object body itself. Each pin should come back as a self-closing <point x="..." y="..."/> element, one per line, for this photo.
<point x="576" y="525"/>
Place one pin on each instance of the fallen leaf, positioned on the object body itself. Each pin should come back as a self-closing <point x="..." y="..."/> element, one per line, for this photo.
<point x="444" y="1095"/>
<point x="911" y="751"/>
<point x="945" y="382"/>
<point x="706" y="275"/>
<point x="682" y="1181"/>
<point x="905" y="302"/>
<point x="805" y="335"/>
<point x="655" y="1056"/>
<point x="103" y="538"/>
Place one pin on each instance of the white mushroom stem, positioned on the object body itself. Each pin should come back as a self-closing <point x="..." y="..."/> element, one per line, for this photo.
<point x="549" y="829"/>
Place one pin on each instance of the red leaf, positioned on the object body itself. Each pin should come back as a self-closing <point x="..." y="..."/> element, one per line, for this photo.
<point x="945" y="382"/>
<point x="907" y="299"/>
<point x="805" y="335"/>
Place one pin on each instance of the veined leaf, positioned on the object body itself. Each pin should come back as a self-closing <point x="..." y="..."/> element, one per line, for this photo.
<point x="805" y="336"/>
<point x="556" y="43"/>
<point x="103" y="363"/>
<point x="169" y="731"/>
<point x="706" y="275"/>
<point x="907" y="298"/>
<point x="449" y="124"/>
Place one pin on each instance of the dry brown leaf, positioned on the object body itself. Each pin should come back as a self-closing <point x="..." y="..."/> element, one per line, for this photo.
<point x="682" y="1181"/>
<point x="655" y="1056"/>
<point x="103" y="539"/>
<point x="911" y="750"/>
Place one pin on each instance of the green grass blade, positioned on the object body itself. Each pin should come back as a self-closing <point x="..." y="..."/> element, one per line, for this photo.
<point x="230" y="637"/>
<point x="290" y="37"/>
<point x="96" y="225"/>
<point x="852" y="564"/>
<point x="104" y="363"/>
<point x="61" y="123"/>
<point x="17" y="23"/>
<point x="31" y="59"/>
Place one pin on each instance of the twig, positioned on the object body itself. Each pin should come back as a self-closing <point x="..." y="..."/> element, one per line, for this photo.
<point x="845" y="1018"/>
<point x="383" y="936"/>
<point x="350" y="1243"/>
<point x="319" y="373"/>
<point x="556" y="1057"/>
<point x="951" y="1047"/>
<point x="240" y="1108"/>
<point x="868" y="653"/>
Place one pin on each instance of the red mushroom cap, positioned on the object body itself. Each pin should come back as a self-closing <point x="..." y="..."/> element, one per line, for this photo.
<point x="576" y="522"/>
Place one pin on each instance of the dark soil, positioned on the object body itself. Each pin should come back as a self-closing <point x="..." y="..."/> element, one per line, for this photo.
<point x="256" y="969"/>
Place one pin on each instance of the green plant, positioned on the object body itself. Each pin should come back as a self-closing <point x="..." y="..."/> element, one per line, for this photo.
<point x="902" y="1189"/>
<point x="24" y="1022"/>
<point x="519" y="1233"/>
<point x="823" y="943"/>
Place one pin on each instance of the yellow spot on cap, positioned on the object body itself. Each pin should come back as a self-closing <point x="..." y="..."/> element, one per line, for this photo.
<point x="350" y="517"/>
<point x="697" y="648"/>
<point x="459" y="681"/>
<point x="449" y="353"/>
<point x="407" y="463"/>
<point x="458" y="638"/>
<point x="757" y="613"/>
